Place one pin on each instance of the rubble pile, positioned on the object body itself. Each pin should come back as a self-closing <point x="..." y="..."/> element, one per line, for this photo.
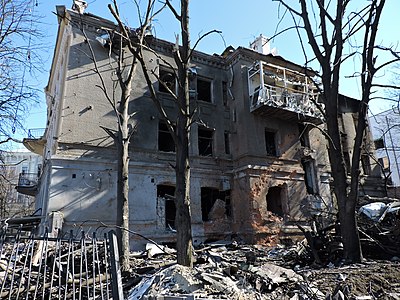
<point x="226" y="270"/>
<point x="379" y="227"/>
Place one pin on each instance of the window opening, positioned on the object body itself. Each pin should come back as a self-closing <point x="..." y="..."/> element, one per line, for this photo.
<point x="274" y="200"/>
<point x="168" y="78"/>
<point x="225" y="93"/>
<point x="366" y="164"/>
<point x="205" y="141"/>
<point x="384" y="163"/>
<point x="310" y="176"/>
<point x="39" y="169"/>
<point x="168" y="193"/>
<point x="203" y="90"/>
<point x="379" y="143"/>
<point x="165" y="140"/>
<point x="227" y="143"/>
<point x="215" y="204"/>
<point x="304" y="135"/>
<point x="270" y="145"/>
<point x="24" y="170"/>
<point x="228" y="205"/>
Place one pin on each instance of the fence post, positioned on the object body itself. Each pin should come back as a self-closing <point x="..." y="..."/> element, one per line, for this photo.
<point x="116" y="279"/>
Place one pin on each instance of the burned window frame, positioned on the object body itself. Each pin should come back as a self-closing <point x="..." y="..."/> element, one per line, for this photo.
<point x="275" y="206"/>
<point x="169" y="204"/>
<point x="304" y="135"/>
<point x="207" y="201"/>
<point x="205" y="143"/>
<point x="227" y="142"/>
<point x="164" y="135"/>
<point x="310" y="176"/>
<point x="270" y="137"/>
<point x="204" y="93"/>
<point x="366" y="163"/>
<point x="166" y="71"/>
<point x="379" y="143"/>
<point x="224" y="93"/>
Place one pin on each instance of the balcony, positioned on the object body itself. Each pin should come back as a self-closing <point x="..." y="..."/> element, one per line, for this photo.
<point x="35" y="141"/>
<point x="283" y="93"/>
<point x="28" y="184"/>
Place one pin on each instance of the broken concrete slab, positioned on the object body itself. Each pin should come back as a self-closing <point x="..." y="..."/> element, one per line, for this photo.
<point x="276" y="273"/>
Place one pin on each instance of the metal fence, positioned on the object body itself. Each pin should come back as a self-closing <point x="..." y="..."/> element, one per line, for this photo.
<point x="55" y="268"/>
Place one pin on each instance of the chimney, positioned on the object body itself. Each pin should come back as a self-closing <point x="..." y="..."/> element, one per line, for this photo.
<point x="261" y="45"/>
<point x="79" y="6"/>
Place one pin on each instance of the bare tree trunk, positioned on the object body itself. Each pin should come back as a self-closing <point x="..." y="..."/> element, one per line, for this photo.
<point x="123" y="178"/>
<point x="182" y="194"/>
<point x="346" y="202"/>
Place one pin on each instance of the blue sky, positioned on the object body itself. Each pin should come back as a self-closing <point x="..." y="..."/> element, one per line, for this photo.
<point x="240" y="24"/>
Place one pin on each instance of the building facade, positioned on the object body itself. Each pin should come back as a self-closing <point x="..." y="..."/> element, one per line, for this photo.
<point x="386" y="134"/>
<point x="21" y="170"/>
<point x="258" y="161"/>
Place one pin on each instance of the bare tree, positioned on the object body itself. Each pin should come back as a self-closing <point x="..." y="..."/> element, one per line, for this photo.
<point x="124" y="66"/>
<point x="334" y="26"/>
<point x="127" y="49"/>
<point x="124" y="44"/>
<point x="181" y="135"/>
<point x="18" y="57"/>
<point x="180" y="131"/>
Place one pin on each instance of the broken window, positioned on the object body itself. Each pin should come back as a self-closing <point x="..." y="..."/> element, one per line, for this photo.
<point x="384" y="163"/>
<point x="379" y="143"/>
<point x="310" y="176"/>
<point x="39" y="169"/>
<point x="274" y="200"/>
<point x="304" y="135"/>
<point x="165" y="140"/>
<point x="24" y="170"/>
<point x="366" y="164"/>
<point x="167" y="192"/>
<point x="270" y="144"/>
<point x="205" y="141"/>
<point x="203" y="90"/>
<point x="215" y="204"/>
<point x="224" y="93"/>
<point x="227" y="143"/>
<point x="167" y="80"/>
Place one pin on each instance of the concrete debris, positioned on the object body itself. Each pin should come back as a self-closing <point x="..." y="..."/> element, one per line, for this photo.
<point x="377" y="211"/>
<point x="155" y="249"/>
<point x="243" y="272"/>
<point x="379" y="226"/>
<point x="217" y="211"/>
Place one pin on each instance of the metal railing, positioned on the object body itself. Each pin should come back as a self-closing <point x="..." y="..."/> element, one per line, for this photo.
<point x="286" y="98"/>
<point x="55" y="268"/>
<point x="28" y="179"/>
<point x="36" y="133"/>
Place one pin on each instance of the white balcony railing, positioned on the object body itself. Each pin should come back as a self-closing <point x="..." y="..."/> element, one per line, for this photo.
<point x="287" y="99"/>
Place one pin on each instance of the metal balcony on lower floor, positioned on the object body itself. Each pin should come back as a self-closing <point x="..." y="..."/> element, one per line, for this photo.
<point x="28" y="184"/>
<point x="285" y="104"/>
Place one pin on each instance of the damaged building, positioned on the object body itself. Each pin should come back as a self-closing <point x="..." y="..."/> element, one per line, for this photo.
<point x="259" y="164"/>
<point x="386" y="132"/>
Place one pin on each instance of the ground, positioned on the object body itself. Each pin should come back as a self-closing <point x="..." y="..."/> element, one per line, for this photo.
<point x="232" y="271"/>
<point x="372" y="278"/>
